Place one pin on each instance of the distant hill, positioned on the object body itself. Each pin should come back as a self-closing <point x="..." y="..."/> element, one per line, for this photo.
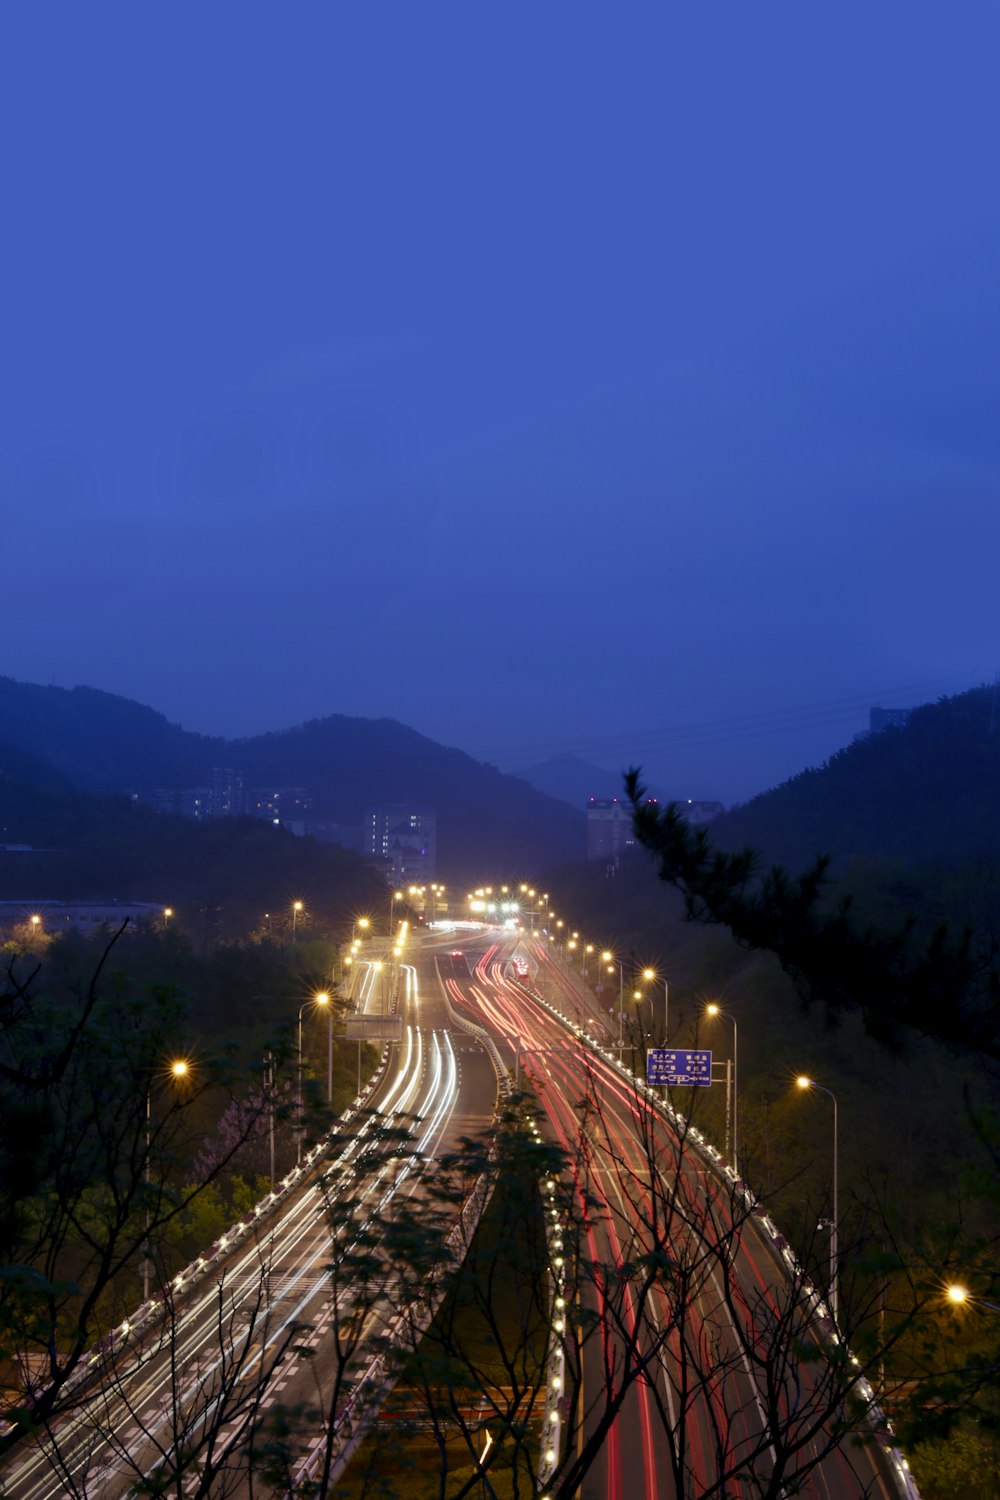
<point x="927" y="792"/>
<point x="221" y="877"/>
<point x="570" y="779"/>
<point x="487" y="822"/>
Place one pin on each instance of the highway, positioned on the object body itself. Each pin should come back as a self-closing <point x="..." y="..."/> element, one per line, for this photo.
<point x="270" y="1323"/>
<point x="679" y="1358"/>
<point x="687" y="1383"/>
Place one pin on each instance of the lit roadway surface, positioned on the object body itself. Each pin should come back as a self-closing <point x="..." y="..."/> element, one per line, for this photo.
<point x="723" y="1415"/>
<point x="127" y="1427"/>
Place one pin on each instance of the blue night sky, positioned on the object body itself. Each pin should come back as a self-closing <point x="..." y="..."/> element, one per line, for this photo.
<point x="619" y="380"/>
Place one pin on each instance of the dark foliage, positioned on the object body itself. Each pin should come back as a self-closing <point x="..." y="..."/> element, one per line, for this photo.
<point x="942" y="985"/>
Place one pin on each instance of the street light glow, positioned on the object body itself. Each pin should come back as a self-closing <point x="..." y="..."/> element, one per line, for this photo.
<point x="957" y="1294"/>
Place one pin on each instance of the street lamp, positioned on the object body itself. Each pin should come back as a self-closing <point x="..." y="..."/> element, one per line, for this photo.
<point x="716" y="1010"/>
<point x="612" y="962"/>
<point x="960" y="1296"/>
<point x="363" y="923"/>
<point x="323" y="999"/>
<point x="810" y="1083"/>
<point x="297" y="906"/>
<point x="178" y="1069"/>
<point x="650" y="974"/>
<point x="396" y="896"/>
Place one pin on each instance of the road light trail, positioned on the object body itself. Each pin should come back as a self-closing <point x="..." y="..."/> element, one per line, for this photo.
<point x="722" y="1315"/>
<point x="117" y="1423"/>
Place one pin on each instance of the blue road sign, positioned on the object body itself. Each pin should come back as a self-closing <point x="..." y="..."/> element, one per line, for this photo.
<point x="681" y="1065"/>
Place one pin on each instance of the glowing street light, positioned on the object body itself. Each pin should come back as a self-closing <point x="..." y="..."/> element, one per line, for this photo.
<point x="297" y="906"/>
<point x="322" y="999"/>
<point x="960" y="1296"/>
<point x="716" y="1010"/>
<point x="804" y="1083"/>
<point x="650" y="975"/>
<point x="178" y="1068"/>
<point x="379" y="969"/>
<point x="612" y="963"/>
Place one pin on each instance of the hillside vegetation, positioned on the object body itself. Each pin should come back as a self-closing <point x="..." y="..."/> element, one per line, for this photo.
<point x="102" y="744"/>
<point x="220" y="877"/>
<point x="928" y="792"/>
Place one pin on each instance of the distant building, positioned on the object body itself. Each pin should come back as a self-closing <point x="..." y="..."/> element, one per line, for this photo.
<point x="887" y="718"/>
<point x="609" y="827"/>
<point x="403" y="839"/>
<point x="278" y="804"/>
<point x="225" y="792"/>
<point x="83" y="916"/>
<point x="699" y="813"/>
<point x="609" y="823"/>
<point x="882" y="718"/>
<point x="180" y="801"/>
<point x="218" y="795"/>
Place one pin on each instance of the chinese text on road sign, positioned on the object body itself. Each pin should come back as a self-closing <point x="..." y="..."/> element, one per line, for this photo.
<point x="680" y="1065"/>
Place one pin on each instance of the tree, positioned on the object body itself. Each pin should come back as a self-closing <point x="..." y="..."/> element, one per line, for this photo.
<point x="100" y="1113"/>
<point x="941" y="985"/>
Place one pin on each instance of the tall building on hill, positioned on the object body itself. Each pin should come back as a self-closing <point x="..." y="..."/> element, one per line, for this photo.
<point x="218" y="795"/>
<point x="887" y="718"/>
<point x="609" y="823"/>
<point x="278" y="804"/>
<point x="404" y="840"/>
<point x="225" y="792"/>
<point x="609" y="827"/>
<point x="699" y="813"/>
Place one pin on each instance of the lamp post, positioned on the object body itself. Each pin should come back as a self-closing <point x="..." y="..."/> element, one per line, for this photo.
<point x="810" y="1083"/>
<point x="650" y="974"/>
<point x="396" y="896"/>
<point x="178" y="1069"/>
<point x="612" y="962"/>
<point x="297" y="906"/>
<point x="322" y="998"/>
<point x="362" y="922"/>
<point x="716" y="1010"/>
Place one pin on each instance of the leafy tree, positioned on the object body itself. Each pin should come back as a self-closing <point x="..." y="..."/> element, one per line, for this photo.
<point x="96" y="1133"/>
<point x="943" y="986"/>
